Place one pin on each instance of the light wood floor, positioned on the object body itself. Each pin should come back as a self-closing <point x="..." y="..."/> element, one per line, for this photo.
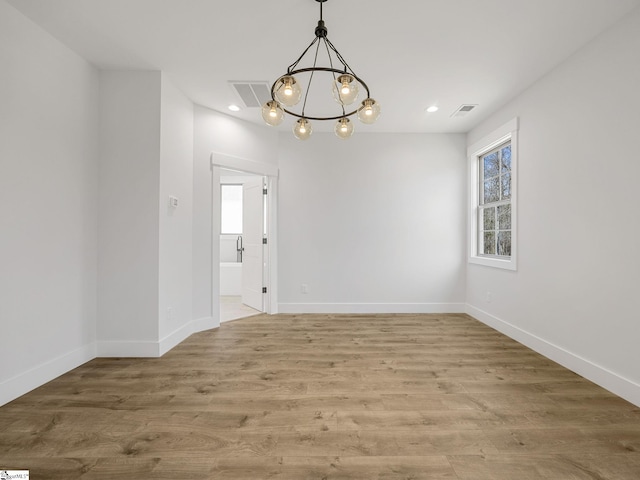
<point x="326" y="397"/>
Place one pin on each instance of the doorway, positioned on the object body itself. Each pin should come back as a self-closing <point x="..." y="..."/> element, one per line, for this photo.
<point x="242" y="233"/>
<point x="247" y="254"/>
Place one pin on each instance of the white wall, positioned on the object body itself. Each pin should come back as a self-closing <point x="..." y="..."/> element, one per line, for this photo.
<point x="48" y="179"/>
<point x="216" y="132"/>
<point x="376" y="223"/>
<point x="176" y="224"/>
<point x="579" y="264"/>
<point x="145" y="295"/>
<point x="129" y="213"/>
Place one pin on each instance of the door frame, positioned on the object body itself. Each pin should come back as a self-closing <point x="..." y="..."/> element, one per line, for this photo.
<point x="270" y="270"/>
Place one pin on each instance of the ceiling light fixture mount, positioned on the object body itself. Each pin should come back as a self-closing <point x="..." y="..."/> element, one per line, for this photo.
<point x="287" y="92"/>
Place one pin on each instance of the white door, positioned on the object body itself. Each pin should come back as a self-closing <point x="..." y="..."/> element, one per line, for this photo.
<point x="252" y="234"/>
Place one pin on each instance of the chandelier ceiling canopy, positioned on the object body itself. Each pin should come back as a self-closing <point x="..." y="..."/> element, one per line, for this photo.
<point x="295" y="86"/>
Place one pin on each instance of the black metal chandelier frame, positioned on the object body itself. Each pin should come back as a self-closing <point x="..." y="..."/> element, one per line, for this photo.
<point x="321" y="37"/>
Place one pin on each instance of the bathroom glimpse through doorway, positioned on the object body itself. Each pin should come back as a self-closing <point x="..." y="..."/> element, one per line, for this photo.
<point x="243" y="240"/>
<point x="242" y="230"/>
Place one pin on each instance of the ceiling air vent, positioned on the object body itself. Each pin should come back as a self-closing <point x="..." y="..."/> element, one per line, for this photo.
<point x="463" y="110"/>
<point x="252" y="94"/>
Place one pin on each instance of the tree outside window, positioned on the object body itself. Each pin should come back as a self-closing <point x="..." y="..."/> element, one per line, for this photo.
<point x="494" y="208"/>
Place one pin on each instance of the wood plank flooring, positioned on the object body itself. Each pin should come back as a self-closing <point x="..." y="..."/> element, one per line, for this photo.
<point x="326" y="397"/>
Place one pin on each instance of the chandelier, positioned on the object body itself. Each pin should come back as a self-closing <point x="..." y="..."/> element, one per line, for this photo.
<point x="287" y="92"/>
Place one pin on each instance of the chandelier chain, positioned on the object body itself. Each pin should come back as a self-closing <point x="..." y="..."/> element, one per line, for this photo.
<point x="326" y="44"/>
<point x="342" y="60"/>
<point x="315" y="61"/>
<point x="295" y="64"/>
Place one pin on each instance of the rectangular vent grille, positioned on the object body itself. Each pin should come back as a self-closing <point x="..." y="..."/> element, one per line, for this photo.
<point x="252" y="94"/>
<point x="463" y="110"/>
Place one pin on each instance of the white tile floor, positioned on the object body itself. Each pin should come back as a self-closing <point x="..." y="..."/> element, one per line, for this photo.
<point x="232" y="308"/>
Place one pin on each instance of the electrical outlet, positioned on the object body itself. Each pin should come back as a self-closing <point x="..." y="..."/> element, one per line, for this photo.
<point x="169" y="313"/>
<point x="488" y="297"/>
<point x="304" y="288"/>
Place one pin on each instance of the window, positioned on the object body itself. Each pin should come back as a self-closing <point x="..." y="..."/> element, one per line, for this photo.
<point x="231" y="209"/>
<point x="494" y="209"/>
<point x="492" y="164"/>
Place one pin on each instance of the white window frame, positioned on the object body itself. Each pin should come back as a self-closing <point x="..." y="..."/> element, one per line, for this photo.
<point x="507" y="132"/>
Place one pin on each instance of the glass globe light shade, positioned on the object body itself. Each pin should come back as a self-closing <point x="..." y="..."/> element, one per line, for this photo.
<point x="288" y="91"/>
<point x="344" y="128"/>
<point x="345" y="89"/>
<point x="302" y="129"/>
<point x="272" y="113"/>
<point x="369" y="111"/>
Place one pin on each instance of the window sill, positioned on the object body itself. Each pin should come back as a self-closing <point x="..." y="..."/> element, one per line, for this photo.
<point x="506" y="264"/>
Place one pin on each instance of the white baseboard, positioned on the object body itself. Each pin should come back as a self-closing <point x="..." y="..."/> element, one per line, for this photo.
<point x="204" y="323"/>
<point x="25" y="382"/>
<point x="142" y="349"/>
<point x="371" y="308"/>
<point x="607" y="379"/>
<point x="45" y="372"/>
<point x="178" y="336"/>
<point x="132" y="349"/>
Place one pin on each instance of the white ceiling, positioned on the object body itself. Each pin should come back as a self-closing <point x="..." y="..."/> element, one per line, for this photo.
<point x="411" y="53"/>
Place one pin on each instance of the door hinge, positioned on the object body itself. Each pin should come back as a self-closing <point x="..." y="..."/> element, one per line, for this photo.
<point x="264" y="191"/>
<point x="264" y="241"/>
<point x="264" y="289"/>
